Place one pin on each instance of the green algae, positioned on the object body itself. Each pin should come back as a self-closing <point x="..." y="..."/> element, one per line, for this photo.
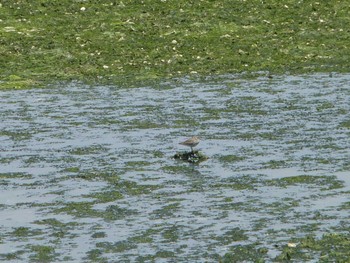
<point x="233" y="235"/>
<point x="144" y="124"/>
<point x="117" y="191"/>
<point x="78" y="209"/>
<point x="72" y="169"/>
<point x="324" y="182"/>
<point x="115" y="212"/>
<point x="274" y="164"/>
<point x="134" y="189"/>
<point x="137" y="164"/>
<point x="105" y="196"/>
<point x="231" y="158"/>
<point x="42" y="253"/>
<point x="244" y="182"/>
<point x="331" y="247"/>
<point x="164" y="254"/>
<point x="166" y="211"/>
<point x="245" y="253"/>
<point x="345" y="124"/>
<point x="96" y="255"/>
<point x="58" y="229"/>
<point x="116" y="247"/>
<point x="12" y="256"/>
<point x="54" y="223"/>
<point x="86" y="210"/>
<point x="88" y="150"/>
<point x="142" y="239"/>
<point x="14" y="175"/>
<point x="131" y="41"/>
<point x="194" y="157"/>
<point x="25" y="232"/>
<point x="17" y="135"/>
<point x="171" y="234"/>
<point x="99" y="235"/>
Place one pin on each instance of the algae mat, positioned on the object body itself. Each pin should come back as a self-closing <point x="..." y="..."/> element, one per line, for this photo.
<point x="87" y="173"/>
<point x="115" y="41"/>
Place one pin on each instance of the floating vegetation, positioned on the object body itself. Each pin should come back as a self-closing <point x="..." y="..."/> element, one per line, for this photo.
<point x="322" y="182"/>
<point x="99" y="235"/>
<point x="345" y="124"/>
<point x="93" y="178"/>
<point x="26" y="232"/>
<point x="245" y="253"/>
<point x="331" y="247"/>
<point x="191" y="157"/>
<point x="43" y="253"/>
<point x="231" y="158"/>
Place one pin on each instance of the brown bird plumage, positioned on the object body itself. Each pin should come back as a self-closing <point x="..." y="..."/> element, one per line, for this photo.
<point x="191" y="142"/>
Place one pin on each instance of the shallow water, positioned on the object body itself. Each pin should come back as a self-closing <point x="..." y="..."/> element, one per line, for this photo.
<point x="87" y="172"/>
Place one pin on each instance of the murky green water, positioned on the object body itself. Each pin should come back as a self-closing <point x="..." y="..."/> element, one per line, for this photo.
<point x="87" y="175"/>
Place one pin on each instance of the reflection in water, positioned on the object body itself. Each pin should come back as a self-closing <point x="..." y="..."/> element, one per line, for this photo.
<point x="95" y="163"/>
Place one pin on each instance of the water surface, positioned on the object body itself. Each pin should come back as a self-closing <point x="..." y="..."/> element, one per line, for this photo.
<point x="87" y="172"/>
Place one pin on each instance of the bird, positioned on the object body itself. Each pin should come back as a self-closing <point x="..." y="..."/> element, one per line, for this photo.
<point x="191" y="142"/>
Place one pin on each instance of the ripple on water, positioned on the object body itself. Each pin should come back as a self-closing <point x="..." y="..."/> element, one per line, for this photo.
<point x="89" y="168"/>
